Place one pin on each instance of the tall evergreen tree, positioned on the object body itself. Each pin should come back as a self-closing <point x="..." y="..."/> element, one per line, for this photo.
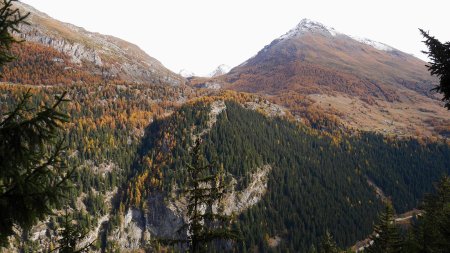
<point x="386" y="237"/>
<point x="328" y="245"/>
<point x="71" y="236"/>
<point x="312" y="249"/>
<point x="439" y="54"/>
<point x="432" y="232"/>
<point x="208" y="227"/>
<point x="10" y="19"/>
<point x="206" y="189"/>
<point x="32" y="173"/>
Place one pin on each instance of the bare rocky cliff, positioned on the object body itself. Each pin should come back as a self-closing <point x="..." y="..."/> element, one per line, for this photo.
<point x="165" y="215"/>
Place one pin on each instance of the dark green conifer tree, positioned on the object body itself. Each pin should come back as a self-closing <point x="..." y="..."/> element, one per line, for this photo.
<point x="10" y="19"/>
<point x="206" y="189"/>
<point x="208" y="227"/>
<point x="328" y="245"/>
<point x="312" y="249"/>
<point x="386" y="237"/>
<point x="71" y="236"/>
<point x="439" y="54"/>
<point x="32" y="173"/>
<point x="432" y="232"/>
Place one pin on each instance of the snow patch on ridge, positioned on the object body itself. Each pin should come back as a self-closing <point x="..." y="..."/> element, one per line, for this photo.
<point x="220" y="70"/>
<point x="307" y="25"/>
<point x="186" y="73"/>
<point x="375" y="44"/>
<point x="310" y="26"/>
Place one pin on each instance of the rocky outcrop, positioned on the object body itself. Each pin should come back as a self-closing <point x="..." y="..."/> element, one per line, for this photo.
<point x="217" y="107"/>
<point x="140" y="226"/>
<point x="266" y="108"/>
<point x="76" y="51"/>
<point x="210" y="85"/>
<point x="165" y="216"/>
<point x="102" y="169"/>
<point x="239" y="201"/>
<point x="131" y="233"/>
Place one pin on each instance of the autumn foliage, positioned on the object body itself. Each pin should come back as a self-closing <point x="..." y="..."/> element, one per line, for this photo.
<point x="37" y="64"/>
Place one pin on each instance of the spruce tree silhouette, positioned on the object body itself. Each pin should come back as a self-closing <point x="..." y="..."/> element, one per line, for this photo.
<point x="33" y="175"/>
<point x="439" y="65"/>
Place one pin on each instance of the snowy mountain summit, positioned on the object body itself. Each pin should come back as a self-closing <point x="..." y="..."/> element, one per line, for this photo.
<point x="186" y="73"/>
<point x="310" y="26"/>
<point x="220" y="70"/>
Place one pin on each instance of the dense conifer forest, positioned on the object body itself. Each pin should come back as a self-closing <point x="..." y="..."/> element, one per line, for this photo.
<point x="319" y="182"/>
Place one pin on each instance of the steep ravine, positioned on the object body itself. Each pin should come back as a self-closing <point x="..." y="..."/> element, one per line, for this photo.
<point x="165" y="216"/>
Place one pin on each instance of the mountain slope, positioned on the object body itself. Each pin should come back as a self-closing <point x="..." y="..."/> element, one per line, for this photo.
<point x="366" y="84"/>
<point x="103" y="55"/>
<point x="316" y="182"/>
<point x="314" y="54"/>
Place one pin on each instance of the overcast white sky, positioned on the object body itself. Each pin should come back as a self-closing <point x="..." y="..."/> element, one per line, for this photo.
<point x="199" y="35"/>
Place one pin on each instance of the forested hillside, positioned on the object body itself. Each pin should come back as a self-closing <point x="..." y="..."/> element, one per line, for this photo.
<point x="42" y="65"/>
<point x="130" y="143"/>
<point x="104" y="132"/>
<point x="318" y="181"/>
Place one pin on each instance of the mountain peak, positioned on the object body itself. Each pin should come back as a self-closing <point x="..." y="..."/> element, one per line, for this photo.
<point x="310" y="26"/>
<point x="186" y="73"/>
<point x="220" y="70"/>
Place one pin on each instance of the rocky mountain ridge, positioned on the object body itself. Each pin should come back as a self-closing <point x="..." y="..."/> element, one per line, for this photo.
<point x="106" y="54"/>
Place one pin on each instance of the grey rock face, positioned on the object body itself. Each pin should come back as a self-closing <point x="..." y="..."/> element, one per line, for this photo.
<point x="164" y="217"/>
<point x="141" y="225"/>
<point x="76" y="51"/>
